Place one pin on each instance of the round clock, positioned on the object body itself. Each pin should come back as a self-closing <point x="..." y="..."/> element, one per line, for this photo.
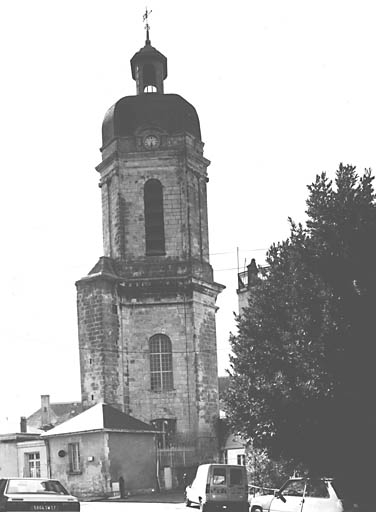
<point x="151" y="142"/>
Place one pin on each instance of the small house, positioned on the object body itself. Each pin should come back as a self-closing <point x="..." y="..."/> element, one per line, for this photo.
<point x="103" y="452"/>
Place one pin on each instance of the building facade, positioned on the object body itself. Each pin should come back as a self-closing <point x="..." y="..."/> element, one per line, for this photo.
<point x="103" y="452"/>
<point x="23" y="453"/>
<point x="146" y="311"/>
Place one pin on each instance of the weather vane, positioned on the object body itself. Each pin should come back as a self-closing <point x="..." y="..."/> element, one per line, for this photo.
<point x="145" y="18"/>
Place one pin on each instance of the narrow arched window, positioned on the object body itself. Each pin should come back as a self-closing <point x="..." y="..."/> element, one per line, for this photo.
<point x="150" y="81"/>
<point x="154" y="223"/>
<point x="160" y="363"/>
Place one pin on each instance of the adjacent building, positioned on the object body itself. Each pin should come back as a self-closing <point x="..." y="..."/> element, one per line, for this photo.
<point x="23" y="453"/>
<point x="103" y="452"/>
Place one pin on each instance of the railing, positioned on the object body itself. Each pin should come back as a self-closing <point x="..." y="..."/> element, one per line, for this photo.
<point x="176" y="457"/>
<point x="243" y="277"/>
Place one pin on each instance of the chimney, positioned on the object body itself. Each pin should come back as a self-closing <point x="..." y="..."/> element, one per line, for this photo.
<point x="23" y="424"/>
<point x="46" y="410"/>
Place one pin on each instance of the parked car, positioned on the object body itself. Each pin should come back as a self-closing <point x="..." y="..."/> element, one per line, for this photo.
<point x="219" y="487"/>
<point x="35" y="494"/>
<point x="306" y="495"/>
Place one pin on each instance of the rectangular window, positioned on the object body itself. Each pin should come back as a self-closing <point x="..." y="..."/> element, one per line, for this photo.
<point x="219" y="476"/>
<point x="32" y="465"/>
<point x="241" y="460"/>
<point x="74" y="457"/>
<point x="236" y="476"/>
<point x="317" y="489"/>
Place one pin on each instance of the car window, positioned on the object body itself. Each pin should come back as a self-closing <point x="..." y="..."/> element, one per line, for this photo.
<point x="317" y="489"/>
<point x="20" y="486"/>
<point x="219" y="476"/>
<point x="3" y="483"/>
<point x="293" y="488"/>
<point x="236" y="476"/>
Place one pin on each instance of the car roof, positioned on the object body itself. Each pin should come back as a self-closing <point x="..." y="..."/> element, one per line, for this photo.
<point x="298" y="478"/>
<point x="25" y="478"/>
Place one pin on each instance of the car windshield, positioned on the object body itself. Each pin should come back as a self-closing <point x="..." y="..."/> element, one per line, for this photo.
<point x="35" y="487"/>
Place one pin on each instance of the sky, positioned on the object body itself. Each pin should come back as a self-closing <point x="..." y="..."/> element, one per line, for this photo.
<point x="284" y="90"/>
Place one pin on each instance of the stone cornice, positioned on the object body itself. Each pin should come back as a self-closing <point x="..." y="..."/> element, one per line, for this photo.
<point x="167" y="286"/>
<point x="113" y="158"/>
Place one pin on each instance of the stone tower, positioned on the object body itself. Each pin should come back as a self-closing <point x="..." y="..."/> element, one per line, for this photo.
<point x="146" y="311"/>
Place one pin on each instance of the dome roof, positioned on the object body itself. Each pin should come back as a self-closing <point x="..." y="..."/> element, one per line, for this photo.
<point x="170" y="112"/>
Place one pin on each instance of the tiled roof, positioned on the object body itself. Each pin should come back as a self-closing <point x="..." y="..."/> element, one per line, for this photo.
<point x="59" y="413"/>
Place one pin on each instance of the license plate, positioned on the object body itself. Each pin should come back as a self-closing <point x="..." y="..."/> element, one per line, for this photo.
<point x="43" y="506"/>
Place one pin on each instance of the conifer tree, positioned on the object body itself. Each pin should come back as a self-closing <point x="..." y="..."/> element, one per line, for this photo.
<point x="302" y="377"/>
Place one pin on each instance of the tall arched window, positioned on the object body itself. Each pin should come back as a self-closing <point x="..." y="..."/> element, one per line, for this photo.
<point x="154" y="222"/>
<point x="160" y="363"/>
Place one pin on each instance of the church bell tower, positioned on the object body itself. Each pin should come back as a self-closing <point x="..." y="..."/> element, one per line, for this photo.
<point x="146" y="311"/>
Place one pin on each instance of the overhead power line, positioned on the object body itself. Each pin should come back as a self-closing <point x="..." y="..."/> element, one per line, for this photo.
<point x="241" y="250"/>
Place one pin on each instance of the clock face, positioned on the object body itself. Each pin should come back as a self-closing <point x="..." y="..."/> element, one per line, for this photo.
<point x="151" y="142"/>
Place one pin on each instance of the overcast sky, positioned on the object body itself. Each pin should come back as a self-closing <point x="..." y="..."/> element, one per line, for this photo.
<point x="284" y="90"/>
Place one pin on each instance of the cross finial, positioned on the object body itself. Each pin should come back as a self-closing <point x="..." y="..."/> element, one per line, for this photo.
<point x="145" y="18"/>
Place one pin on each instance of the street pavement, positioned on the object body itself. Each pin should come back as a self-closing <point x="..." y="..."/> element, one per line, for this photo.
<point x="168" y="501"/>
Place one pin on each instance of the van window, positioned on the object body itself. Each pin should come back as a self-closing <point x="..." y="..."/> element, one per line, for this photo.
<point x="236" y="476"/>
<point x="219" y="476"/>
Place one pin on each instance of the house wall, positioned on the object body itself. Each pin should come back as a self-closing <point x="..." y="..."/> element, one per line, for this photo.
<point x="93" y="478"/>
<point x="233" y="454"/>
<point x="104" y="458"/>
<point x="8" y="459"/>
<point x="133" y="457"/>
<point x="233" y="448"/>
<point x="25" y="447"/>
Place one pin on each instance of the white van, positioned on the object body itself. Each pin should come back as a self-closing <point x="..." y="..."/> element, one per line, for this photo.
<point x="219" y="487"/>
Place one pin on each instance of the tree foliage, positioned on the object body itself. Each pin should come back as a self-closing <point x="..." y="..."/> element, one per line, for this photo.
<point x="302" y="378"/>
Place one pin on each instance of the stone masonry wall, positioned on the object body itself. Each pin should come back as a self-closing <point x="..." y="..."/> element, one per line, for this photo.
<point x="140" y="321"/>
<point x="183" y="181"/>
<point x="171" y="294"/>
<point x="206" y="371"/>
<point x="93" y="479"/>
<point x="98" y="330"/>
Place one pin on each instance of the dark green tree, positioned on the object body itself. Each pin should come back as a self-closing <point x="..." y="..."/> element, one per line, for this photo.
<point x="302" y="378"/>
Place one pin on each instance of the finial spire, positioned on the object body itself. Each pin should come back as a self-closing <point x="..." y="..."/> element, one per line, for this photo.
<point x="145" y="18"/>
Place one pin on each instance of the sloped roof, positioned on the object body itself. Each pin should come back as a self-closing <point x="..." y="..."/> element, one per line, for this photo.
<point x="59" y="413"/>
<point x="100" y="417"/>
<point x="104" y="266"/>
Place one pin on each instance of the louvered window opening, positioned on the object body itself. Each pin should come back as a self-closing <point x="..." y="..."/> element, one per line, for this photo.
<point x="154" y="219"/>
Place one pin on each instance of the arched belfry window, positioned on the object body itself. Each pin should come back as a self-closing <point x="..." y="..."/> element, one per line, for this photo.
<point x="160" y="363"/>
<point x="154" y="222"/>
<point x="150" y="81"/>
